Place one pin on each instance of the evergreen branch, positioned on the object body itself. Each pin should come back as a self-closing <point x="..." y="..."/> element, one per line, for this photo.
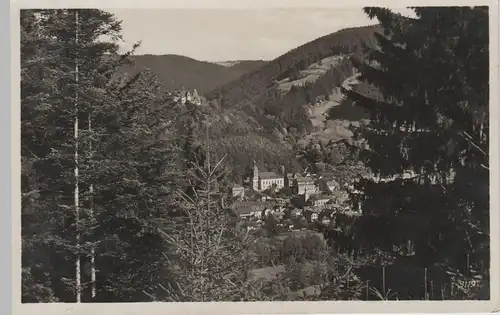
<point x="32" y="192"/>
<point x="149" y="295"/>
<point x="469" y="139"/>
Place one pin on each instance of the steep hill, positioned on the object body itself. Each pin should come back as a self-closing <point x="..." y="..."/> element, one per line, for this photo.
<point x="291" y="97"/>
<point x="276" y="94"/>
<point x="238" y="136"/>
<point x="254" y="84"/>
<point x="177" y="72"/>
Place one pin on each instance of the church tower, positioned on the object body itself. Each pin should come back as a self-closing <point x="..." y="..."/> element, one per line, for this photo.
<point x="196" y="97"/>
<point x="183" y="96"/>
<point x="255" y="177"/>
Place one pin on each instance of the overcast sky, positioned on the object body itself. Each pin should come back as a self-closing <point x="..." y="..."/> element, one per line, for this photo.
<point x="231" y="34"/>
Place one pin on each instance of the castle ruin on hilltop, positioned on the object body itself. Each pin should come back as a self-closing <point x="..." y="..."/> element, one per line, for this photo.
<point x="186" y="96"/>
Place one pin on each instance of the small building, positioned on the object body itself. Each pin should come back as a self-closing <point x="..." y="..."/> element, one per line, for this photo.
<point x="332" y="185"/>
<point x="289" y="178"/>
<point x="248" y="209"/>
<point x="319" y="200"/>
<point x="304" y="185"/>
<point x="295" y="212"/>
<point x="314" y="217"/>
<point x="251" y="225"/>
<point x="196" y="99"/>
<point x="238" y="191"/>
<point x="279" y="215"/>
<point x="187" y="97"/>
<point x="281" y="201"/>
<point x="325" y="217"/>
<point x="267" y="212"/>
<point x="257" y="214"/>
<point x="311" y="214"/>
<point x="339" y="197"/>
<point x="245" y="213"/>
<point x="328" y="186"/>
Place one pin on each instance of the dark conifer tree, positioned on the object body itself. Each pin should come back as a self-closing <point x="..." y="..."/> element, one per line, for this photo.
<point x="431" y="122"/>
<point x="97" y="160"/>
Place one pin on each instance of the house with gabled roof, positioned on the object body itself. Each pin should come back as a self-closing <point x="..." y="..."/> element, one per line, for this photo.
<point x="319" y="200"/>
<point x="304" y="185"/>
<point x="238" y="191"/>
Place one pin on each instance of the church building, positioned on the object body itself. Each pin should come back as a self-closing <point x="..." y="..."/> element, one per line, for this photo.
<point x="264" y="180"/>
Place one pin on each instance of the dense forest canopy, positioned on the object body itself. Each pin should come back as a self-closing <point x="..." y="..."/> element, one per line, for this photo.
<point x="178" y="72"/>
<point x="431" y="121"/>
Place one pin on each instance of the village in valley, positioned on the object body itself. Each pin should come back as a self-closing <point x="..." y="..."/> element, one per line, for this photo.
<point x="294" y="200"/>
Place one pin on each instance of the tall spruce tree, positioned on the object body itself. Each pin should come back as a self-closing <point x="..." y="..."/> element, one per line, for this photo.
<point x="41" y="165"/>
<point x="134" y="170"/>
<point x="125" y="162"/>
<point x="47" y="129"/>
<point x="432" y="122"/>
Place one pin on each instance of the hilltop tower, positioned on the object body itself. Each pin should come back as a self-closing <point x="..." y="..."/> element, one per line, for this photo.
<point x="183" y="96"/>
<point x="189" y="98"/>
<point x="196" y="97"/>
<point x="255" y="177"/>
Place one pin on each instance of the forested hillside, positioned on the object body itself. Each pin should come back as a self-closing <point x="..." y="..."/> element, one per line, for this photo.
<point x="258" y="93"/>
<point x="237" y="136"/>
<point x="246" y="66"/>
<point x="279" y="95"/>
<point x="254" y="84"/>
<point x="177" y="72"/>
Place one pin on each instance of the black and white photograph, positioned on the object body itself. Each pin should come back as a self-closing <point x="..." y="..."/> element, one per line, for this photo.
<point x="249" y="155"/>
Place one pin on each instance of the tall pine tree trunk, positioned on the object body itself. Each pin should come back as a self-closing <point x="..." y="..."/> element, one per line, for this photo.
<point x="78" y="288"/>
<point x="91" y="213"/>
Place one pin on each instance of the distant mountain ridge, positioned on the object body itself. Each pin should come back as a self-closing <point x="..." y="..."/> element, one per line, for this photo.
<point x="178" y="72"/>
<point x="235" y="63"/>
